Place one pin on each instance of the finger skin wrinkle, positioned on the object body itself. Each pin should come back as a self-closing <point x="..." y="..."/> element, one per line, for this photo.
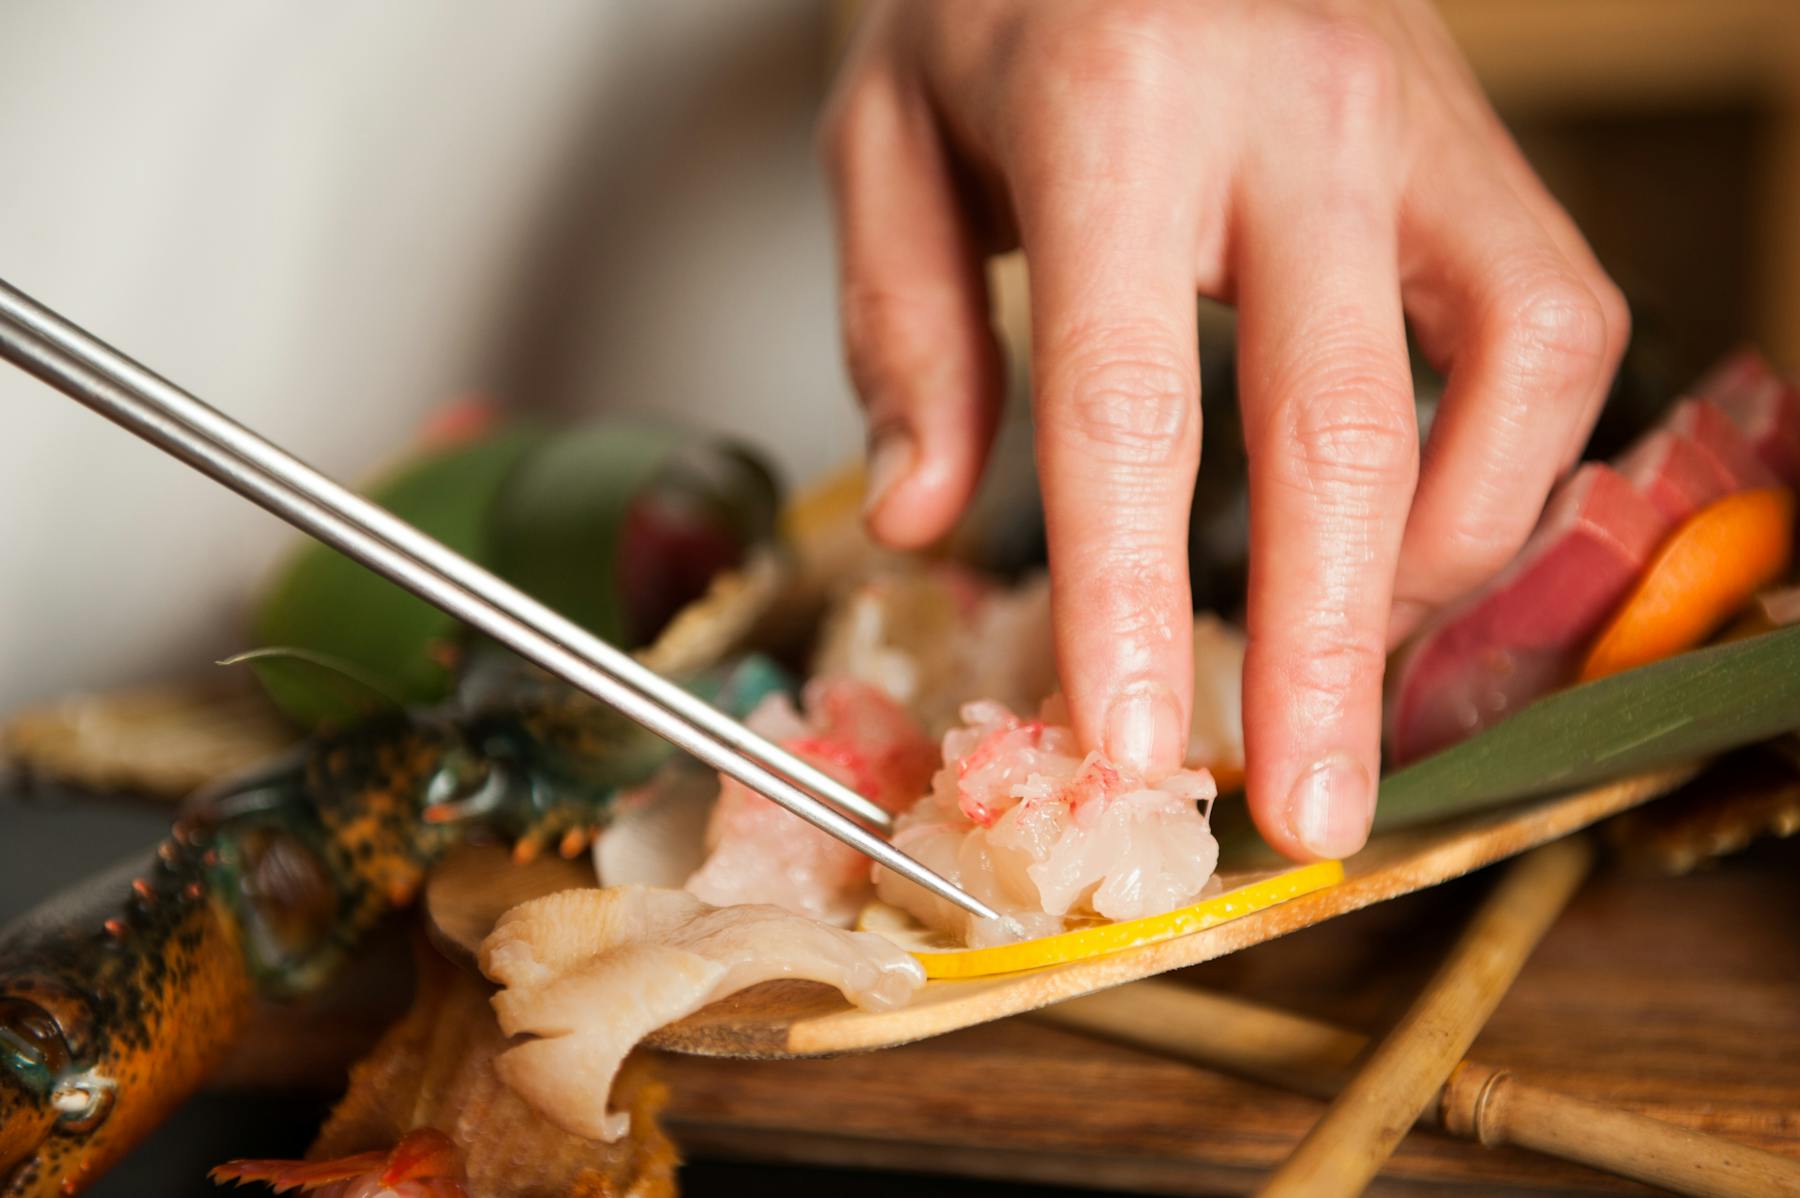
<point x="1342" y="443"/>
<point x="1320" y="683"/>
<point x="1128" y="567"/>
<point x="1557" y="328"/>
<point x="1132" y="505"/>
<point x="1483" y="536"/>
<point x="1122" y="407"/>
<point x="1133" y="598"/>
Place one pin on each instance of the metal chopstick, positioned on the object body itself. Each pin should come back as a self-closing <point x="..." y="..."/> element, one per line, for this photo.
<point x="91" y="372"/>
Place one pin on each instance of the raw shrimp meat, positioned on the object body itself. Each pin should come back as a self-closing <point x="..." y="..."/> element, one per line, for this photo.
<point x="1020" y="819"/>
<point x="762" y="854"/>
<point x="589" y="973"/>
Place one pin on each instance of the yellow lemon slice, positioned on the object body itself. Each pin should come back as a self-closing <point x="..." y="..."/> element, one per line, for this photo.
<point x="1254" y="893"/>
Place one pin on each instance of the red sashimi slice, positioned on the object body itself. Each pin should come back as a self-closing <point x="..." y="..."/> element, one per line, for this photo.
<point x="1764" y="406"/>
<point x="1703" y="423"/>
<point x="1736" y="372"/>
<point x="1523" y="634"/>
<point x="1674" y="473"/>
<point x="1770" y="417"/>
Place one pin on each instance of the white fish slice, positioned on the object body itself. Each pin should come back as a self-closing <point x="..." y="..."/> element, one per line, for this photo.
<point x="658" y="837"/>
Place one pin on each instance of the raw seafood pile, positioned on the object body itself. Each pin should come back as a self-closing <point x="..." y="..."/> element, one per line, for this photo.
<point x="761" y="854"/>
<point x="1523" y="635"/>
<point x="1021" y="819"/>
<point x="935" y="637"/>
<point x="939" y="636"/>
<point x="589" y="973"/>
<point x="896" y="649"/>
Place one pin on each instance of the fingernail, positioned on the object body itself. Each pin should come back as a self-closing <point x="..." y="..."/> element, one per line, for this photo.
<point x="890" y="460"/>
<point x="1143" y="729"/>
<point x="1330" y="807"/>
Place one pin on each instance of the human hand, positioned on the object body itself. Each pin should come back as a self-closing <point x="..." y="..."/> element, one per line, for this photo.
<point x="1329" y="167"/>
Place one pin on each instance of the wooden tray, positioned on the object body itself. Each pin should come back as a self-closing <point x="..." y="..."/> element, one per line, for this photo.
<point x="1675" y="997"/>
<point x="783" y="1019"/>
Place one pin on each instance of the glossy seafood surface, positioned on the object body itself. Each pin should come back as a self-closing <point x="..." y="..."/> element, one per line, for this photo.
<point x="1022" y="820"/>
<point x="589" y="973"/>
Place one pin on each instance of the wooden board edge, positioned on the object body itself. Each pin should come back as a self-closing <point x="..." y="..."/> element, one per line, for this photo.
<point x="1424" y="859"/>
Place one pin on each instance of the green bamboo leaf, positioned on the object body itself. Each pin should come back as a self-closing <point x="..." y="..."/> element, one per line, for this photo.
<point x="316" y="689"/>
<point x="323" y="602"/>
<point x="1684" y="708"/>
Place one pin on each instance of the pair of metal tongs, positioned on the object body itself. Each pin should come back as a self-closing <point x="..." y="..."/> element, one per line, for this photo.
<point x="91" y="372"/>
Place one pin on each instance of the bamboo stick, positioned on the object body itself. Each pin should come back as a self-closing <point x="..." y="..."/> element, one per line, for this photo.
<point x="1219" y="1031"/>
<point x="1345" y="1149"/>
<point x="1480" y="1102"/>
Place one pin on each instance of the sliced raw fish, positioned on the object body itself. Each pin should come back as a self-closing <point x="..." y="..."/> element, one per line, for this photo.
<point x="1765" y="406"/>
<point x="589" y="973"/>
<point x="1674" y="473"/>
<point x="760" y="853"/>
<point x="657" y="836"/>
<point x="1047" y="836"/>
<point x="1702" y="422"/>
<point x="1739" y="371"/>
<point x="1519" y="637"/>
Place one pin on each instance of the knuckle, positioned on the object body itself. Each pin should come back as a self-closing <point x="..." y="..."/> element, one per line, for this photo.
<point x="1353" y="429"/>
<point x="1122" y="48"/>
<point x="1125" y="399"/>
<point x="1477" y="545"/>
<point x="1556" y="327"/>
<point x="1481" y="540"/>
<point x="1349" y="67"/>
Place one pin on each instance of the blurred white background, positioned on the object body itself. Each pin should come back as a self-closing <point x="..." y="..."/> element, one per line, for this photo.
<point x="330" y="218"/>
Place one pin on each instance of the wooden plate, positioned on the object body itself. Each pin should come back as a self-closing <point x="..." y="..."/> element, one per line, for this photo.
<point x="471" y="889"/>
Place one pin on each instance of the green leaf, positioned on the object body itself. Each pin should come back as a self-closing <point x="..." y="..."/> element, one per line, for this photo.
<point x="1682" y="709"/>
<point x="316" y="689"/>
<point x="559" y="521"/>
<point x="324" y="603"/>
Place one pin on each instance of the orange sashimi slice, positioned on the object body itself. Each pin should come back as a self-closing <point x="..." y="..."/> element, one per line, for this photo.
<point x="1705" y="572"/>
